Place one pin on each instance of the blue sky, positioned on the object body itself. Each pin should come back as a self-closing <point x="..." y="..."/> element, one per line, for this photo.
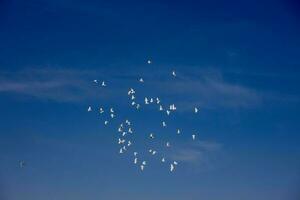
<point x="237" y="61"/>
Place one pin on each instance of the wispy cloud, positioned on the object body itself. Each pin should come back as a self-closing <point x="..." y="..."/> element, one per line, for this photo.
<point x="196" y="153"/>
<point x="206" y="89"/>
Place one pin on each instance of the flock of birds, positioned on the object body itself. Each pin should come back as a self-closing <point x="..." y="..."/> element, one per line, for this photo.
<point x="126" y="130"/>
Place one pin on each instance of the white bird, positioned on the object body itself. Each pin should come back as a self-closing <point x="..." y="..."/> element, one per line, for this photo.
<point x="112" y="115"/>
<point x="151" y="100"/>
<point x="111" y="110"/>
<point x="157" y="100"/>
<point x="119" y="129"/>
<point x="132" y="97"/>
<point x="196" y="110"/>
<point x="153" y="152"/>
<point x="144" y="163"/>
<point x="105" y="122"/>
<point x="168" y="144"/>
<point x="124" y="148"/>
<point x="121" y="141"/>
<point x="194" y="137"/>
<point x="95" y="81"/>
<point x="129" y="130"/>
<point x="127" y="122"/>
<point x="142" y="167"/>
<point x="164" y="124"/>
<point x="163" y="160"/>
<point x="135" y="161"/>
<point x="141" y="80"/>
<point x="146" y="100"/>
<point x="101" y="110"/>
<point x="151" y="136"/>
<point x="103" y="84"/>
<point x="133" y="103"/>
<point x="149" y="61"/>
<point x="171" y="167"/>
<point x="150" y="150"/>
<point x="89" y="109"/>
<point x="173" y="73"/>
<point x="175" y="163"/>
<point x="168" y="112"/>
<point x="178" y="131"/>
<point x="135" y="153"/>
<point x="137" y="106"/>
<point x="131" y="91"/>
<point x="129" y="143"/>
<point x="121" y="150"/>
<point x="160" y="108"/>
<point x="172" y="107"/>
<point x="124" y="133"/>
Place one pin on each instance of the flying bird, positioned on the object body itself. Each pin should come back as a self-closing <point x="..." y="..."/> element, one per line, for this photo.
<point x="89" y="109"/>
<point x="174" y="73"/>
<point x="194" y="136"/>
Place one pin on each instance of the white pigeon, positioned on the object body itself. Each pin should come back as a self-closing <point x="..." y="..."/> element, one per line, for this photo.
<point x="196" y="110"/>
<point x="121" y="150"/>
<point x="171" y="167"/>
<point x="144" y="163"/>
<point x="151" y="100"/>
<point x="135" y="153"/>
<point x="151" y="136"/>
<point x="111" y="110"/>
<point x="133" y="103"/>
<point x="146" y="100"/>
<point x="124" y="133"/>
<point x="129" y="130"/>
<point x="103" y="84"/>
<point x="137" y="106"/>
<point x="132" y="97"/>
<point x="157" y="100"/>
<point x="89" y="109"/>
<point x="175" y="163"/>
<point x="194" y="136"/>
<point x="105" y="122"/>
<point x="160" y="108"/>
<point x="124" y="148"/>
<point x="168" y="112"/>
<point x="173" y="73"/>
<point x="95" y="81"/>
<point x="163" y="160"/>
<point x="127" y="122"/>
<point x="172" y="107"/>
<point x="142" y="167"/>
<point x="135" y="161"/>
<point x="112" y="115"/>
<point x="164" y="124"/>
<point x="141" y="80"/>
<point x="119" y="129"/>
<point x="153" y="152"/>
<point x="129" y="143"/>
<point x="178" y="131"/>
<point x="149" y="61"/>
<point x="101" y="110"/>
<point x="150" y="150"/>
<point x="168" y="144"/>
